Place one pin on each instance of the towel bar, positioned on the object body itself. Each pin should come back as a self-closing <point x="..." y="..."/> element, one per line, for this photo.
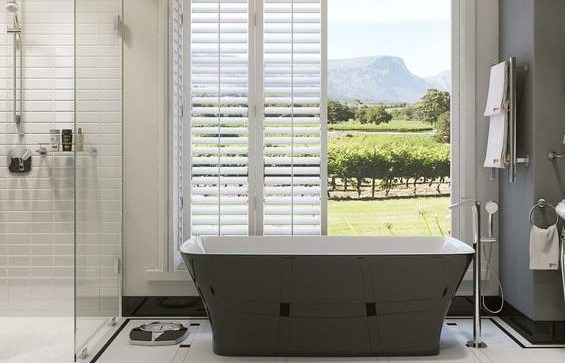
<point x="514" y="94"/>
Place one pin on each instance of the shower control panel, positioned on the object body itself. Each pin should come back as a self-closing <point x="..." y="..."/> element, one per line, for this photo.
<point x="19" y="160"/>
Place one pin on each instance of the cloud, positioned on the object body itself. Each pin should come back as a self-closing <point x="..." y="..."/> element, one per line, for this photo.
<point x="346" y="12"/>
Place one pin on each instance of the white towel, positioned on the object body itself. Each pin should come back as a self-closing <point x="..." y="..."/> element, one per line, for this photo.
<point x="496" y="146"/>
<point x="544" y="248"/>
<point x="497" y="89"/>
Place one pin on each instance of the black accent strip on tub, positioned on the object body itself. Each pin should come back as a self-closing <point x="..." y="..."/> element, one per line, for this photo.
<point x="284" y="309"/>
<point x="192" y="306"/>
<point x="371" y="309"/>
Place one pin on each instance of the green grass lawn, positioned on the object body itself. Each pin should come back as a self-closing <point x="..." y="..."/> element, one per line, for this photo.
<point x="372" y="140"/>
<point x="362" y="217"/>
<point x="392" y="126"/>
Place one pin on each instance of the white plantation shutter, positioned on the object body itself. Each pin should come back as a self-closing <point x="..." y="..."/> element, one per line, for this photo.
<point x="219" y="117"/>
<point x="292" y="74"/>
<point x="176" y="104"/>
<point x="255" y="117"/>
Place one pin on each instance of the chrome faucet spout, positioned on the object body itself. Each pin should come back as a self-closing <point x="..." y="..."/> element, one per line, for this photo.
<point x="465" y="203"/>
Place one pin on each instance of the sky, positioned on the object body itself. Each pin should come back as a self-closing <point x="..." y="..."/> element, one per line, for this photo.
<point x="419" y="31"/>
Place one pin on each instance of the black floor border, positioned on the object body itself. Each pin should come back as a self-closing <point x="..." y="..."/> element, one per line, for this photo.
<point x="110" y="341"/>
<point x="163" y="306"/>
<point x="510" y="335"/>
<point x="126" y="321"/>
<point x="537" y="333"/>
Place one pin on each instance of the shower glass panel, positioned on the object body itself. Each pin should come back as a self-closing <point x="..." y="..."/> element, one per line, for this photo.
<point x="60" y="177"/>
<point x="98" y="178"/>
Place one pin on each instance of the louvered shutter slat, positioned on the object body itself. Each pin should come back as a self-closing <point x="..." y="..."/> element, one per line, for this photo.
<point x="219" y="117"/>
<point x="292" y="131"/>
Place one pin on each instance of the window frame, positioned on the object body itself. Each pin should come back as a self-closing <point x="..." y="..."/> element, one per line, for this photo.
<point x="463" y="172"/>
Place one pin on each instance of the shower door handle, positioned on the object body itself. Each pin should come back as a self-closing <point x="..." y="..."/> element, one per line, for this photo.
<point x="119" y="25"/>
<point x="117" y="266"/>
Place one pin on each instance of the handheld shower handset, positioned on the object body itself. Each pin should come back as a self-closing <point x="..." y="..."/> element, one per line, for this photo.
<point x="12" y="6"/>
<point x="491" y="207"/>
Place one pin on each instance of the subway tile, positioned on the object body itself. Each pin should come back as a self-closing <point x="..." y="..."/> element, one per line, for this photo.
<point x="37" y="210"/>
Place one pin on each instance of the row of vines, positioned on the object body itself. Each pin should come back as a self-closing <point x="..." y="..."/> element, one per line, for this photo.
<point x="387" y="164"/>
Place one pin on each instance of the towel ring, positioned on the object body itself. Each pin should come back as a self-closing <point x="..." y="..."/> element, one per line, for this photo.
<point x="541" y="204"/>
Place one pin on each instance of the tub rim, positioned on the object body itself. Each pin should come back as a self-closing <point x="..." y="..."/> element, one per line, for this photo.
<point x="386" y="246"/>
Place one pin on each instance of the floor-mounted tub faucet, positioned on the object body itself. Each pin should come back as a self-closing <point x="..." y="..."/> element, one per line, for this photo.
<point x="476" y="342"/>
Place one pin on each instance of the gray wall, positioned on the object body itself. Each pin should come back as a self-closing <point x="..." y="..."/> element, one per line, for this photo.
<point x="534" y="32"/>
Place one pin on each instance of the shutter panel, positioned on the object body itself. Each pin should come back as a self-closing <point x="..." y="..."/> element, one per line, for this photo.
<point x="292" y="123"/>
<point x="176" y="59"/>
<point x="219" y="117"/>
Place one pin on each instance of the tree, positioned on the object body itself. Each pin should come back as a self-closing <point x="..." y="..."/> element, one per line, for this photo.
<point x="373" y="115"/>
<point x="443" y="128"/>
<point x="405" y="112"/>
<point x="339" y="112"/>
<point x="433" y="104"/>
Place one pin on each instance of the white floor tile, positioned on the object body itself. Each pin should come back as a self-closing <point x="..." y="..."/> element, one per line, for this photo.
<point x="27" y="340"/>
<point x="501" y="349"/>
<point x="120" y="351"/>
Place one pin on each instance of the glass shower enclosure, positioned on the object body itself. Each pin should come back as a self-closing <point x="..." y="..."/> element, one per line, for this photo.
<point x="60" y="177"/>
<point x="98" y="170"/>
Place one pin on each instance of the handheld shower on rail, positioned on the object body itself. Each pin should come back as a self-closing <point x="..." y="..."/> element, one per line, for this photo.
<point x="15" y="29"/>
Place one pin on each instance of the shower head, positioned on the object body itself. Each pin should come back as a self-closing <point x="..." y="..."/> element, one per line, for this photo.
<point x="12" y="6"/>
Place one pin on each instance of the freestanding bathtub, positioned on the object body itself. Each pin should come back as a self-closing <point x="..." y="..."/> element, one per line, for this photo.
<point x="326" y="296"/>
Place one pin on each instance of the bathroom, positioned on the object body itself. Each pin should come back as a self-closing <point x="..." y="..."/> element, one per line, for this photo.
<point x="176" y="185"/>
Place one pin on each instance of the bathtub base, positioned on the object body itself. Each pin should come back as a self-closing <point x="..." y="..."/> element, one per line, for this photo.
<point x="326" y="296"/>
<point x="327" y="306"/>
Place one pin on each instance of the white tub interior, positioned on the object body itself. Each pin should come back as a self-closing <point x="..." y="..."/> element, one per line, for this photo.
<point x="325" y="245"/>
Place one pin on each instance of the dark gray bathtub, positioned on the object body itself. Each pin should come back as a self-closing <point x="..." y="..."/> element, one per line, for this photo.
<point x="326" y="296"/>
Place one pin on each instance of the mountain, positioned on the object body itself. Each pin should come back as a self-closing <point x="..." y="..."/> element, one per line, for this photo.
<point x="378" y="79"/>
<point x="441" y="80"/>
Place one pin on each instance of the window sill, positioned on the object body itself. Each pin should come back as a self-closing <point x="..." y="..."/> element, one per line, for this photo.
<point x="160" y="275"/>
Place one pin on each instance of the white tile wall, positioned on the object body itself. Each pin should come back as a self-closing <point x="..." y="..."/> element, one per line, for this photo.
<point x="37" y="209"/>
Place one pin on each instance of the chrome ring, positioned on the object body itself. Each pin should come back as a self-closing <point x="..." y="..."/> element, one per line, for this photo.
<point x="541" y="204"/>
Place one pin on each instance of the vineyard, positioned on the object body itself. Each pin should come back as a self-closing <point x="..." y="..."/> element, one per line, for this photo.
<point x="368" y="165"/>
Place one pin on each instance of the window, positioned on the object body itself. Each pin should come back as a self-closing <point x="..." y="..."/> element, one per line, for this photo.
<point x="253" y="73"/>
<point x="255" y="129"/>
<point x="389" y="91"/>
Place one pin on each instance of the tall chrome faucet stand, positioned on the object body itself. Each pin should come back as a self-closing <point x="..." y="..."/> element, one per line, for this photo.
<point x="476" y="342"/>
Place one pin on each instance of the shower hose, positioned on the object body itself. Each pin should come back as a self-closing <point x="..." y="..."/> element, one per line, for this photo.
<point x="488" y="271"/>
